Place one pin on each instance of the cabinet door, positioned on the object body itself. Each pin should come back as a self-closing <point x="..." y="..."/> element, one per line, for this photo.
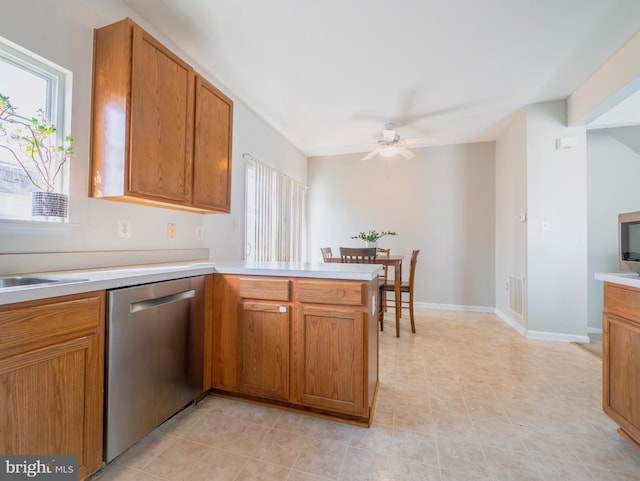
<point x="621" y="373"/>
<point x="51" y="394"/>
<point x="264" y="347"/>
<point x="161" y="135"/>
<point x="329" y="359"/>
<point x="212" y="148"/>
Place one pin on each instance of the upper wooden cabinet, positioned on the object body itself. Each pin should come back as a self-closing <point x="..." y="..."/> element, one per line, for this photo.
<point x="160" y="133"/>
<point x="212" y="148"/>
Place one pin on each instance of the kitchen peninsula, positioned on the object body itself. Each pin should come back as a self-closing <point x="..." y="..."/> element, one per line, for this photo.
<point x="295" y="335"/>
<point x="300" y="336"/>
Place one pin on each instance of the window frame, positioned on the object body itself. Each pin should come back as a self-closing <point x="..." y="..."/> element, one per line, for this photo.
<point x="57" y="109"/>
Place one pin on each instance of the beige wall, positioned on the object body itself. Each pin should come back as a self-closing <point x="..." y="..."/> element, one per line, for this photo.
<point x="511" y="201"/>
<point x="62" y="32"/>
<point x="442" y="202"/>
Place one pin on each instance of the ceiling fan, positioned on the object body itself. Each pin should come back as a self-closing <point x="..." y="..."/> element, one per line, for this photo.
<point x="390" y="144"/>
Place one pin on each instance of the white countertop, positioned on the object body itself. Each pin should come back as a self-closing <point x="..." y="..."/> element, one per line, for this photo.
<point x="78" y="281"/>
<point x="323" y="270"/>
<point x="630" y="279"/>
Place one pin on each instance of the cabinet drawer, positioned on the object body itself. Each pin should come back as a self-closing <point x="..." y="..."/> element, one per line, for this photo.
<point x="625" y="302"/>
<point x="344" y="293"/>
<point x="43" y="323"/>
<point x="267" y="289"/>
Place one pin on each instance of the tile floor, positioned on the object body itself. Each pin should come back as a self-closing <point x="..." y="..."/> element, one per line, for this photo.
<point x="466" y="398"/>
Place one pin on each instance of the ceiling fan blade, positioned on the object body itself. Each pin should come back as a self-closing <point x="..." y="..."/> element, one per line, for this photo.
<point x="407" y="154"/>
<point x="371" y="154"/>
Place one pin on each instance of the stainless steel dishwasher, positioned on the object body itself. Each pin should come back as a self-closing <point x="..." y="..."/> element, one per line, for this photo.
<point x="154" y="363"/>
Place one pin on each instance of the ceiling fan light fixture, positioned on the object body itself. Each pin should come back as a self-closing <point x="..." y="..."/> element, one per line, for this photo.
<point x="389" y="151"/>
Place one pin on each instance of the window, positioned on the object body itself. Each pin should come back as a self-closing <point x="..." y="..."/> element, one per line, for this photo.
<point x="275" y="221"/>
<point x="32" y="84"/>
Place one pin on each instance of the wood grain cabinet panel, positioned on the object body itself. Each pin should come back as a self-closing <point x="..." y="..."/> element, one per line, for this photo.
<point x="264" y="341"/>
<point x="225" y="355"/>
<point x="329" y="359"/>
<point x="212" y="148"/>
<point x="265" y="288"/>
<point x="51" y="379"/>
<point x="160" y="133"/>
<point x="161" y="122"/>
<point x="336" y="292"/>
<point x="621" y="359"/>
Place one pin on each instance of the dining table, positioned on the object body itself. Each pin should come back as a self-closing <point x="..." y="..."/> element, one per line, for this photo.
<point x="396" y="263"/>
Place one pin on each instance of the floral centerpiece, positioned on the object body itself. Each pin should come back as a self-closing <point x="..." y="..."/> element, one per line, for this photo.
<point x="32" y="143"/>
<point x="371" y="238"/>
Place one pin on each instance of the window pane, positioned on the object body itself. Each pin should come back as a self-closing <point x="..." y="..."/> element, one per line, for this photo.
<point x="26" y="91"/>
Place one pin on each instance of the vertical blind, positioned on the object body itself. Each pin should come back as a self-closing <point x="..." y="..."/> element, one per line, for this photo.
<point x="275" y="208"/>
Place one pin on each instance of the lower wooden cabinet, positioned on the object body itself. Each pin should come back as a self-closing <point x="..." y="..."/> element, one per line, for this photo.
<point x="329" y="359"/>
<point x="621" y="359"/>
<point x="51" y="378"/>
<point x="306" y="343"/>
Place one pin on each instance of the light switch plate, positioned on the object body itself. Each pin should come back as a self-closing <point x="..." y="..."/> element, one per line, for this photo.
<point x="124" y="229"/>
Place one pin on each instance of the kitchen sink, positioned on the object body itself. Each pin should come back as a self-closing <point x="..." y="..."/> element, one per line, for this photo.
<point x="29" y="281"/>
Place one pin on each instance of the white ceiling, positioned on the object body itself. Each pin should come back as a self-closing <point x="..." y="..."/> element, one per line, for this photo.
<point x="328" y="74"/>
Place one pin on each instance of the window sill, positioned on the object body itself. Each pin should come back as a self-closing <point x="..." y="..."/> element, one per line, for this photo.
<point x="34" y="227"/>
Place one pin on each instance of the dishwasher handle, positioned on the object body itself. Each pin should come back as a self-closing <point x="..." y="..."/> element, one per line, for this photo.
<point x="151" y="303"/>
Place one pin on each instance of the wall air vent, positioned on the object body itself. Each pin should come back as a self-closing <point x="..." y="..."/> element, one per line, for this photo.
<point x="517" y="296"/>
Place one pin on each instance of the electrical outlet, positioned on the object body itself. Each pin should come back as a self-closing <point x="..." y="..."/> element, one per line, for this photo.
<point x="199" y="232"/>
<point x="124" y="229"/>
<point x="171" y="230"/>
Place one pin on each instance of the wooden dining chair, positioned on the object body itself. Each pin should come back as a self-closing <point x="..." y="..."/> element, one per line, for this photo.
<point x="385" y="269"/>
<point x="406" y="287"/>
<point x="358" y="255"/>
<point x="326" y="253"/>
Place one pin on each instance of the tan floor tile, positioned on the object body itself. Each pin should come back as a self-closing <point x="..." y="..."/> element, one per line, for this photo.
<point x="378" y="438"/>
<point x="508" y="465"/>
<point x="300" y="476"/>
<point x="321" y="457"/>
<point x="561" y="469"/>
<point x="366" y="465"/>
<point x="260" y="471"/>
<point x="449" y="475"/>
<point x="177" y="461"/>
<point x="418" y="447"/>
<point x="462" y="456"/>
<point x="333" y="430"/>
<point x="280" y="447"/>
<point x="227" y="433"/>
<point x="218" y="465"/>
<point x="294" y="422"/>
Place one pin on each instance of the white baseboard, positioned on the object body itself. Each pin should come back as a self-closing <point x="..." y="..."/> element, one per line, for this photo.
<point x="511" y="322"/>
<point x="555" y="336"/>
<point x="452" y="307"/>
<point x="594" y="330"/>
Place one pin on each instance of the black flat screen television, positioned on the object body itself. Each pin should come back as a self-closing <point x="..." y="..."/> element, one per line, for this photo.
<point x="629" y="241"/>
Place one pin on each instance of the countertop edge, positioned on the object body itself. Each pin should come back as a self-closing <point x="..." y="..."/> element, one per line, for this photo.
<point x="80" y="281"/>
<point x="630" y="279"/>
